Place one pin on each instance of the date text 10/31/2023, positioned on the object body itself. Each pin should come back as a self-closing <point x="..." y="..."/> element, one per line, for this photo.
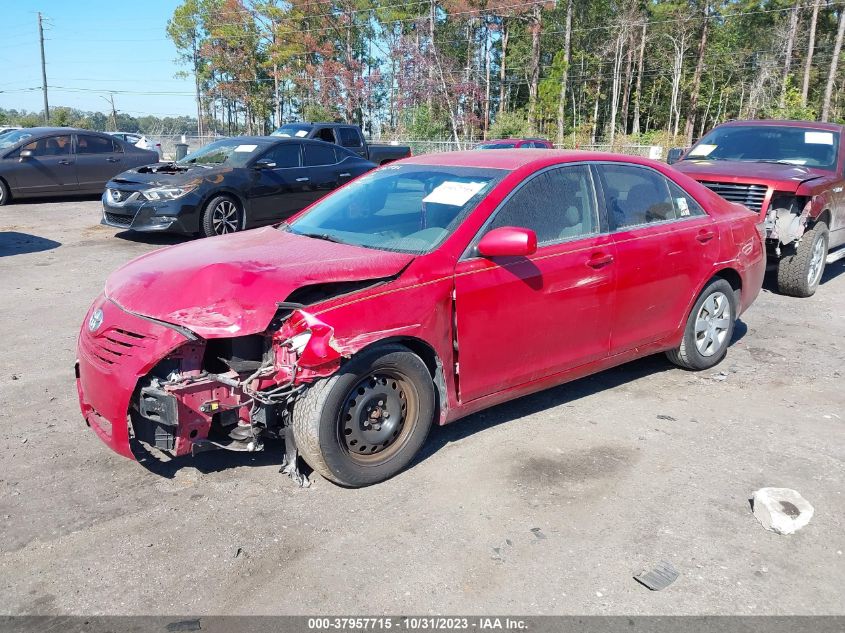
<point x="409" y="623"/>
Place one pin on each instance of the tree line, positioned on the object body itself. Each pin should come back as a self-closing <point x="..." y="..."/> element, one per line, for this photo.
<point x="577" y="71"/>
<point x="70" y="117"/>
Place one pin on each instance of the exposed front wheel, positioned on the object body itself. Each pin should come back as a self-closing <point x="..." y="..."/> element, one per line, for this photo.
<point x="709" y="328"/>
<point x="5" y="196"/>
<point x="799" y="274"/>
<point x="222" y="215"/>
<point x="366" y="423"/>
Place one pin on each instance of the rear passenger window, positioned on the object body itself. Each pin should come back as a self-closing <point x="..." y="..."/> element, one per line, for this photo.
<point x="557" y="205"/>
<point x="636" y="196"/>
<point x="685" y="204"/>
<point x="317" y="154"/>
<point x="87" y="144"/>
<point x="349" y="137"/>
<point x="326" y="134"/>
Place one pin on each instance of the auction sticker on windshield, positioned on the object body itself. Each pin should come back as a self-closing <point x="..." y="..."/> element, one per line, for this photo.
<point x="453" y="193"/>
<point x="245" y="148"/>
<point x="702" y="150"/>
<point x="818" y="138"/>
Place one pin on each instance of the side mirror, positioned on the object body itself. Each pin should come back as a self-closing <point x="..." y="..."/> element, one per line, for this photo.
<point x="674" y="155"/>
<point x="264" y="163"/>
<point x="26" y="154"/>
<point x="508" y="241"/>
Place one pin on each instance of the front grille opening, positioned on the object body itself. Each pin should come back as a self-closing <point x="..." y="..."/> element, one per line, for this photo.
<point x="120" y="220"/>
<point x="116" y="342"/>
<point x="129" y="334"/>
<point x="751" y="196"/>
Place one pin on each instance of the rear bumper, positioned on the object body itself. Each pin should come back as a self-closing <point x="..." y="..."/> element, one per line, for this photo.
<point x="111" y="360"/>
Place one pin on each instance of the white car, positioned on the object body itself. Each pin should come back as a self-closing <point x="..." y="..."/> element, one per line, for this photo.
<point x="10" y="128"/>
<point x="138" y="140"/>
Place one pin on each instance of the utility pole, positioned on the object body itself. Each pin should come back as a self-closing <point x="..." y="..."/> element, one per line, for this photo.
<point x="113" y="110"/>
<point x="43" y="70"/>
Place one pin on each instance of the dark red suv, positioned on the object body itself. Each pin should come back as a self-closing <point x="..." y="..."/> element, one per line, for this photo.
<point x="790" y="172"/>
<point x="516" y="143"/>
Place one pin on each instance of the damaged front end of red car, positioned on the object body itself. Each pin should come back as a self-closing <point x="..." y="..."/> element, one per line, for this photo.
<point x="148" y="385"/>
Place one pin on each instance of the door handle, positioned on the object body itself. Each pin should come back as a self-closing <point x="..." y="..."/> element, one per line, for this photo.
<point x="113" y="160"/>
<point x="598" y="260"/>
<point x="302" y="179"/>
<point x="705" y="236"/>
<point x="65" y="161"/>
<point x="347" y="175"/>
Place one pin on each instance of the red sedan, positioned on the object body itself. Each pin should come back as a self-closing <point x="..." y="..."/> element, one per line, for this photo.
<point x="417" y="294"/>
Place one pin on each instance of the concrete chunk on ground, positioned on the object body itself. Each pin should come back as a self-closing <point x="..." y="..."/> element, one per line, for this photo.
<point x="781" y="510"/>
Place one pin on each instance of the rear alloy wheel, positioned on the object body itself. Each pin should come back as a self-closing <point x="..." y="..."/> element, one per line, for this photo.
<point x="366" y="423"/>
<point x="709" y="328"/>
<point x="4" y="193"/>
<point x="222" y="216"/>
<point x="799" y="274"/>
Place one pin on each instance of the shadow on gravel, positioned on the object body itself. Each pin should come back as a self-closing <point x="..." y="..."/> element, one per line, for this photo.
<point x="14" y="243"/>
<point x="556" y="396"/>
<point x="214" y="461"/>
<point x="68" y="198"/>
<point x="831" y="272"/>
<point x="158" y="239"/>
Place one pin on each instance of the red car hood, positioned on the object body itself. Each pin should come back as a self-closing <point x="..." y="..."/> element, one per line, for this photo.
<point x="229" y="286"/>
<point x="776" y="175"/>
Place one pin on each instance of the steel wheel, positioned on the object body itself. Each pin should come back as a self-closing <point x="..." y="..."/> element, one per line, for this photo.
<point x="712" y="323"/>
<point x="225" y="218"/>
<point x="377" y="416"/>
<point x="814" y="271"/>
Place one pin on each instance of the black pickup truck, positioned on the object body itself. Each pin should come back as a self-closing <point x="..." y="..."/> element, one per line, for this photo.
<point x="348" y="136"/>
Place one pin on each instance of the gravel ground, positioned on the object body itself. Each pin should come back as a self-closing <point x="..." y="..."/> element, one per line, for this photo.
<point x="546" y="505"/>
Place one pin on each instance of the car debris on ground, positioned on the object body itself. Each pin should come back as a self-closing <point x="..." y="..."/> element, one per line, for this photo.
<point x="781" y="510"/>
<point x="663" y="575"/>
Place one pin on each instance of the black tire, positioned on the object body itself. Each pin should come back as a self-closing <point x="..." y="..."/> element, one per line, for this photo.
<point x="222" y="215"/>
<point x="5" y="195"/>
<point x="694" y="352"/>
<point x="329" y="418"/>
<point x="800" y="272"/>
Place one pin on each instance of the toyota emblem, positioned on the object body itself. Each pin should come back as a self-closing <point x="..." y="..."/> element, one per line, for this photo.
<point x="96" y="320"/>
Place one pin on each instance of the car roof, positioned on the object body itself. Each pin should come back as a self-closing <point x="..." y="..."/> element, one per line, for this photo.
<point x="318" y="123"/>
<point x="517" y="158"/>
<point x="512" y="139"/>
<point x="59" y="130"/>
<point x="818" y="125"/>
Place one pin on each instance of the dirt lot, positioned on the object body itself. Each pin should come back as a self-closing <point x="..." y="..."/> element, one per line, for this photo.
<point x="619" y="471"/>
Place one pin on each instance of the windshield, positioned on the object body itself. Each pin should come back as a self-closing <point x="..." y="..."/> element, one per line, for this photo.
<point x="232" y="152"/>
<point x="13" y="138"/>
<point x="404" y="208"/>
<point x="765" y="143"/>
<point x="291" y="130"/>
<point x="496" y="146"/>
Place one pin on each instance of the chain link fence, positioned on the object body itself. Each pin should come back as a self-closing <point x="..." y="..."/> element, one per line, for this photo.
<point x="168" y="145"/>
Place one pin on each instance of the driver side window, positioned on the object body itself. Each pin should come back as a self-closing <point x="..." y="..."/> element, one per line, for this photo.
<point x="50" y="146"/>
<point x="558" y="205"/>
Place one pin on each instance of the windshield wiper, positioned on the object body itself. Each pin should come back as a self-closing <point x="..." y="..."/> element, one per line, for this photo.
<point x="321" y="236"/>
